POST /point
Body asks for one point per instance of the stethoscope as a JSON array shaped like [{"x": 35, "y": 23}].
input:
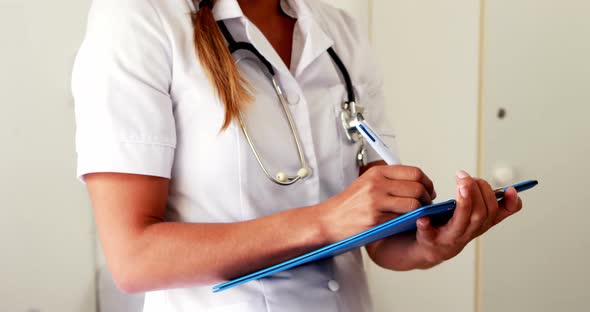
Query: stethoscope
[{"x": 349, "y": 116}]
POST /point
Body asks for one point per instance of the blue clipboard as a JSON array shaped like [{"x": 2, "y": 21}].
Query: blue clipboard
[{"x": 440, "y": 213}]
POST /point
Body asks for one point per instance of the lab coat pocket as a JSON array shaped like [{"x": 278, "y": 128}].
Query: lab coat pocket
[{"x": 347, "y": 150}]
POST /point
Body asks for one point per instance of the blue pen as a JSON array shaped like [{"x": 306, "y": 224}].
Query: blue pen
[{"x": 375, "y": 141}]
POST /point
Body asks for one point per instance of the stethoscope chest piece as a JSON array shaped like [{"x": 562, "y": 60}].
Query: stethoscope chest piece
[
  {"x": 349, "y": 114},
  {"x": 362, "y": 158}
]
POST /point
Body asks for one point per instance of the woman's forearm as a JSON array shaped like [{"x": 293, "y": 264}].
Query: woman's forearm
[
  {"x": 170, "y": 254},
  {"x": 146, "y": 253}
]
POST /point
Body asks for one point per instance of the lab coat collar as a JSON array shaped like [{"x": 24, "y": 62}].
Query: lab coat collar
[
  {"x": 227, "y": 9},
  {"x": 295, "y": 8},
  {"x": 314, "y": 41},
  {"x": 222, "y": 10}
]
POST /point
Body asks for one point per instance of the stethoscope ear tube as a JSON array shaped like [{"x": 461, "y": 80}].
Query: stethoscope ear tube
[
  {"x": 345, "y": 75},
  {"x": 235, "y": 46}
]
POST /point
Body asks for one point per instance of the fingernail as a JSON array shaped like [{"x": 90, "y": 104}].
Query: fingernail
[
  {"x": 462, "y": 174},
  {"x": 463, "y": 191}
]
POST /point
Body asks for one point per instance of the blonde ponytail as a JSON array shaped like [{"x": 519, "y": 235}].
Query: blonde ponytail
[{"x": 218, "y": 63}]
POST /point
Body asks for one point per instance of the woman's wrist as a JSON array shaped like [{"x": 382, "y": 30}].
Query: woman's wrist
[
  {"x": 320, "y": 223},
  {"x": 309, "y": 226},
  {"x": 422, "y": 258},
  {"x": 329, "y": 222},
  {"x": 400, "y": 253}
]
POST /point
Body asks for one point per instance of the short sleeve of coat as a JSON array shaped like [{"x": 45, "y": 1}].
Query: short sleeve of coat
[{"x": 120, "y": 83}]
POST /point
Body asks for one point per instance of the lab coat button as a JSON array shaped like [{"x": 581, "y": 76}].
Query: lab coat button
[
  {"x": 333, "y": 285},
  {"x": 293, "y": 98}
]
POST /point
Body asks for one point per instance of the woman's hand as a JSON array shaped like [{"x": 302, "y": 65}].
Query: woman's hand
[
  {"x": 477, "y": 211},
  {"x": 380, "y": 194}
]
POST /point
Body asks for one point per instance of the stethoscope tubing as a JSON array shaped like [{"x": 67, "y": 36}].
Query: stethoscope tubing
[
  {"x": 304, "y": 171},
  {"x": 290, "y": 179}
]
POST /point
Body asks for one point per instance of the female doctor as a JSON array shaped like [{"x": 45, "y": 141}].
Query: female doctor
[{"x": 199, "y": 172}]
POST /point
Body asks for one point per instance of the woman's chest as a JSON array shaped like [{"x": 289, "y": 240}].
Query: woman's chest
[{"x": 231, "y": 168}]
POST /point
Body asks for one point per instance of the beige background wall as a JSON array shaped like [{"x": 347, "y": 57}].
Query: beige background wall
[
  {"x": 46, "y": 234},
  {"x": 537, "y": 68}
]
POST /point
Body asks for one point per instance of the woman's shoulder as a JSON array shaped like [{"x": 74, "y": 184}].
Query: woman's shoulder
[
  {"x": 125, "y": 23},
  {"x": 124, "y": 13},
  {"x": 140, "y": 5},
  {"x": 328, "y": 10}
]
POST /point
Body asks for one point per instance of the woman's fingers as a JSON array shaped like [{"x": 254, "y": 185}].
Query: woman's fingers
[
  {"x": 457, "y": 226},
  {"x": 407, "y": 173},
  {"x": 489, "y": 196},
  {"x": 426, "y": 232},
  {"x": 398, "y": 205},
  {"x": 479, "y": 210},
  {"x": 510, "y": 205},
  {"x": 410, "y": 189}
]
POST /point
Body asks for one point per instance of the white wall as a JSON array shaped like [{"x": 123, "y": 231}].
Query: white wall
[
  {"x": 46, "y": 240},
  {"x": 538, "y": 70},
  {"x": 429, "y": 52}
]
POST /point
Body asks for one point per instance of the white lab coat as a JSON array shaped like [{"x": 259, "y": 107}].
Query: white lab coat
[{"x": 144, "y": 106}]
